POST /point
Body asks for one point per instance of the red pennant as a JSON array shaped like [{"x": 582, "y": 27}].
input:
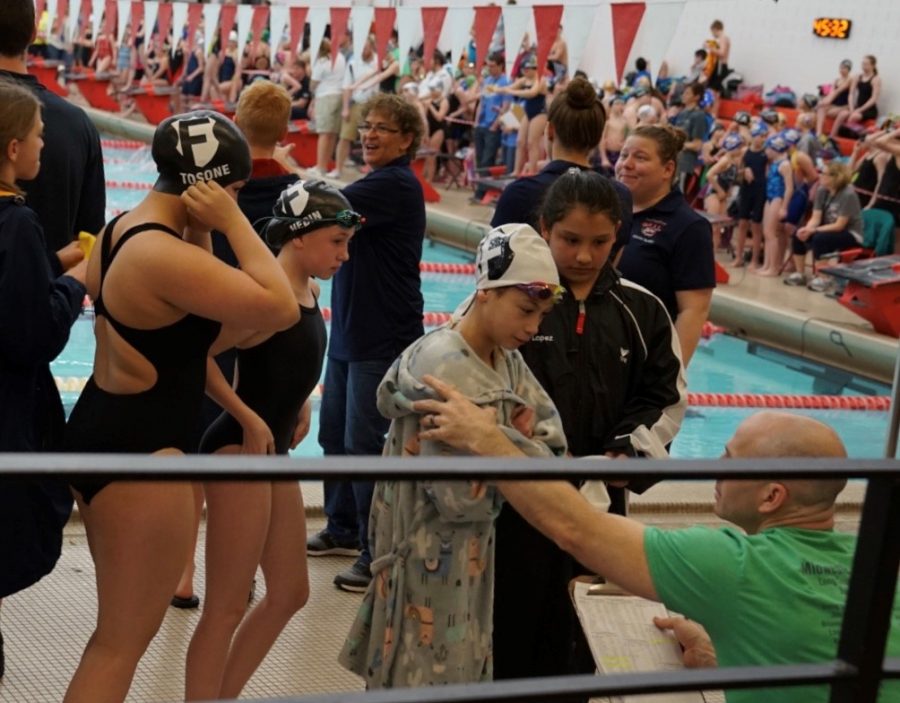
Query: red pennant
[
  {"x": 547, "y": 19},
  {"x": 62, "y": 11},
  {"x": 195, "y": 14},
  {"x": 384, "y": 25},
  {"x": 85, "y": 16},
  {"x": 485, "y": 22},
  {"x": 298, "y": 21},
  {"x": 164, "y": 21},
  {"x": 110, "y": 17},
  {"x": 258, "y": 23},
  {"x": 626, "y": 19},
  {"x": 137, "y": 19},
  {"x": 227, "y": 15},
  {"x": 339, "y": 17},
  {"x": 432, "y": 22},
  {"x": 38, "y": 11}
]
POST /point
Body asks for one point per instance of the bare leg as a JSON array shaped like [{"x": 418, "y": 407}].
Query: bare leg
[
  {"x": 713, "y": 206},
  {"x": 536, "y": 141},
  {"x": 236, "y": 526},
  {"x": 434, "y": 142},
  {"x": 287, "y": 588},
  {"x": 343, "y": 153},
  {"x": 756, "y": 231},
  {"x": 324, "y": 150},
  {"x": 740, "y": 243},
  {"x": 521, "y": 148},
  {"x": 771, "y": 231},
  {"x": 839, "y": 119},
  {"x": 185, "y": 587},
  {"x": 139, "y": 534}
]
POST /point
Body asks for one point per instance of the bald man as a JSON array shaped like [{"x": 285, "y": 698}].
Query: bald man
[{"x": 772, "y": 592}]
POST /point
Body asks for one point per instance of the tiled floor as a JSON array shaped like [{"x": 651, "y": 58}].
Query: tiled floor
[{"x": 47, "y": 625}]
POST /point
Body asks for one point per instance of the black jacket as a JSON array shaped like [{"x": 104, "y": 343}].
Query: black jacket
[{"x": 621, "y": 373}]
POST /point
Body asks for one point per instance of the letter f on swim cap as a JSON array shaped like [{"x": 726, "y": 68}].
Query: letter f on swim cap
[{"x": 199, "y": 146}]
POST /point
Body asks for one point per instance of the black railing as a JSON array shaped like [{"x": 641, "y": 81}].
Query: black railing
[{"x": 854, "y": 676}]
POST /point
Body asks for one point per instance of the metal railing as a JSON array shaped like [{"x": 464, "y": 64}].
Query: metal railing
[{"x": 855, "y": 675}]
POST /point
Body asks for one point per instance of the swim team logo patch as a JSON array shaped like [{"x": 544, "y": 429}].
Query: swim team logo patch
[
  {"x": 650, "y": 228},
  {"x": 196, "y": 140},
  {"x": 498, "y": 257}
]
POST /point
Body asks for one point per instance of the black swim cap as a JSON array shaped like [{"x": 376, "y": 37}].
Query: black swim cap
[
  {"x": 306, "y": 206},
  {"x": 199, "y": 146}
]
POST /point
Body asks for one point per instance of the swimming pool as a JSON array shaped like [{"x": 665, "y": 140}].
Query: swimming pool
[{"x": 722, "y": 364}]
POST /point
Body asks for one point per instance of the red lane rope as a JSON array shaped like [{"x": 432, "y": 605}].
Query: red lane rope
[
  {"x": 766, "y": 400},
  {"x": 129, "y": 185},
  {"x": 436, "y": 267},
  {"x": 122, "y": 144}
]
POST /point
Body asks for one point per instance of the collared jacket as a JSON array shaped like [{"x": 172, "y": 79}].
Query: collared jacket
[{"x": 612, "y": 365}]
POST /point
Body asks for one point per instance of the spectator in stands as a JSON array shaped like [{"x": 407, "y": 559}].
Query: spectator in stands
[
  {"x": 836, "y": 224},
  {"x": 641, "y": 71},
  {"x": 779, "y": 191},
  {"x": 752, "y": 197},
  {"x": 691, "y": 120},
  {"x": 575, "y": 124},
  {"x": 670, "y": 251},
  {"x": 376, "y": 304},
  {"x": 358, "y": 88},
  {"x": 296, "y": 80},
  {"x": 805, "y": 176},
  {"x": 647, "y": 115},
  {"x": 837, "y": 98},
  {"x": 637, "y": 99},
  {"x": 487, "y": 122},
  {"x": 698, "y": 68},
  {"x": 789, "y": 542},
  {"x": 862, "y": 105},
  {"x": 327, "y": 83},
  {"x": 614, "y": 133},
  {"x": 532, "y": 88},
  {"x": 719, "y": 47}
]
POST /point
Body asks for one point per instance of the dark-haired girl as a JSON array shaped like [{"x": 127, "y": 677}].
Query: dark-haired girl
[
  {"x": 670, "y": 251},
  {"x": 609, "y": 359}
]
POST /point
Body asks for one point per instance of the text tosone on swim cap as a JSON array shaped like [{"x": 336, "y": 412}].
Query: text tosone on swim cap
[{"x": 199, "y": 146}]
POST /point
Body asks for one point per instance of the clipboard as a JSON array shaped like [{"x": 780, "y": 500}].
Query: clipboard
[{"x": 622, "y": 637}]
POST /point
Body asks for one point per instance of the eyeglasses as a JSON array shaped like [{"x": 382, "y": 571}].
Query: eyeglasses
[
  {"x": 380, "y": 129},
  {"x": 542, "y": 291}
]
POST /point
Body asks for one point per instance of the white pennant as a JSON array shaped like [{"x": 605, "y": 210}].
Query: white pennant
[
  {"x": 654, "y": 36},
  {"x": 457, "y": 24},
  {"x": 210, "y": 24},
  {"x": 577, "y": 23},
  {"x": 409, "y": 30},
  {"x": 70, "y": 26},
  {"x": 244, "y": 20},
  {"x": 179, "y": 19},
  {"x": 124, "y": 16},
  {"x": 97, "y": 10},
  {"x": 151, "y": 10},
  {"x": 361, "y": 20},
  {"x": 51, "y": 16},
  {"x": 278, "y": 19},
  {"x": 516, "y": 20},
  {"x": 317, "y": 17}
]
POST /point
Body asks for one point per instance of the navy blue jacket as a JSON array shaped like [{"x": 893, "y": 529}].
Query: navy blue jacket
[
  {"x": 521, "y": 200},
  {"x": 376, "y": 296},
  {"x": 36, "y": 314},
  {"x": 69, "y": 193}
]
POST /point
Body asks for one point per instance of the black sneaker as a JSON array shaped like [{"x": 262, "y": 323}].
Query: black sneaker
[
  {"x": 325, "y": 544},
  {"x": 356, "y": 579}
]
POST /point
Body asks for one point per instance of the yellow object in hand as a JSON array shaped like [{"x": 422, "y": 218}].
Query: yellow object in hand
[{"x": 86, "y": 242}]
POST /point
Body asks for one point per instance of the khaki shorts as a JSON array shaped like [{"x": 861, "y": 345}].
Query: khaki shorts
[
  {"x": 328, "y": 114},
  {"x": 350, "y": 126}
]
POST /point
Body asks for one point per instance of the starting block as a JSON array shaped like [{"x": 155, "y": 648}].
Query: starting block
[
  {"x": 304, "y": 142},
  {"x": 95, "y": 89},
  {"x": 153, "y": 101},
  {"x": 872, "y": 291},
  {"x": 47, "y": 73}
]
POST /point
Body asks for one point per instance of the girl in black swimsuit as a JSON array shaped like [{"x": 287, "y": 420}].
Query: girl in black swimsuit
[
  {"x": 864, "y": 93},
  {"x": 161, "y": 297},
  {"x": 263, "y": 523}
]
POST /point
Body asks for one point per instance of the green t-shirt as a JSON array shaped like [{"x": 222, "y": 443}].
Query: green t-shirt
[{"x": 772, "y": 598}]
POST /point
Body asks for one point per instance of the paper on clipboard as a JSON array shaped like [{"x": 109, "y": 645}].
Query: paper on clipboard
[{"x": 623, "y": 638}]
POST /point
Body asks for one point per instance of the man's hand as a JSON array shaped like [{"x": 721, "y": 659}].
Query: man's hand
[
  {"x": 456, "y": 420},
  {"x": 697, "y": 647}
]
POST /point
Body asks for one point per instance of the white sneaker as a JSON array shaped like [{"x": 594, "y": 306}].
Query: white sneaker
[
  {"x": 334, "y": 173},
  {"x": 795, "y": 279},
  {"x": 315, "y": 172},
  {"x": 820, "y": 284}
]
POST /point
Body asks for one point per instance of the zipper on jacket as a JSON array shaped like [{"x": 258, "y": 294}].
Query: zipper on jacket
[{"x": 579, "y": 323}]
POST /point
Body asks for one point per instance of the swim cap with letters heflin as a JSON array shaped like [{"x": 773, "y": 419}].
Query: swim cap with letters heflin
[{"x": 199, "y": 146}]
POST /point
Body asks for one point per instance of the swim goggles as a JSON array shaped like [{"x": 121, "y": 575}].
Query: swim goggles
[
  {"x": 347, "y": 218},
  {"x": 542, "y": 291}
]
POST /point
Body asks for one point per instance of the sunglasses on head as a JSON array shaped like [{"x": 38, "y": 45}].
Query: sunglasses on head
[{"x": 542, "y": 291}]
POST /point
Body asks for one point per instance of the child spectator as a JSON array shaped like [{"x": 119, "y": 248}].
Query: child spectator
[
  {"x": 427, "y": 615},
  {"x": 837, "y": 97},
  {"x": 614, "y": 133},
  {"x": 721, "y": 178},
  {"x": 779, "y": 191}
]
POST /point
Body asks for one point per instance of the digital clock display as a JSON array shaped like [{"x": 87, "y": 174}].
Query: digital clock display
[{"x": 832, "y": 27}]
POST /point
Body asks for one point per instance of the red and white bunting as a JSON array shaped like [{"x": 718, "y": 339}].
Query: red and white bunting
[
  {"x": 432, "y": 22},
  {"x": 516, "y": 24},
  {"x": 361, "y": 20},
  {"x": 298, "y": 21},
  {"x": 123, "y": 15},
  {"x": 409, "y": 30},
  {"x": 485, "y": 24},
  {"x": 456, "y": 31},
  {"x": 278, "y": 19},
  {"x": 385, "y": 17},
  {"x": 151, "y": 9},
  {"x": 318, "y": 19},
  {"x": 244, "y": 20},
  {"x": 179, "y": 20},
  {"x": 547, "y": 19},
  {"x": 211, "y": 13},
  {"x": 339, "y": 18},
  {"x": 578, "y": 24},
  {"x": 626, "y": 19},
  {"x": 655, "y": 34}
]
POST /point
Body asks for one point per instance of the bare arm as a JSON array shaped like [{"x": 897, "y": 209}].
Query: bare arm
[
  {"x": 257, "y": 437},
  {"x": 693, "y": 309}
]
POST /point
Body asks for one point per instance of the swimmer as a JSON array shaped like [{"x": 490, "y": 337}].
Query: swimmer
[
  {"x": 752, "y": 197},
  {"x": 614, "y": 133},
  {"x": 721, "y": 178},
  {"x": 160, "y": 298},
  {"x": 779, "y": 191}
]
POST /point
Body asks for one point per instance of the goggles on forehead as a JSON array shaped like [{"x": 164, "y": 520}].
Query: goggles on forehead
[
  {"x": 347, "y": 218},
  {"x": 542, "y": 291}
]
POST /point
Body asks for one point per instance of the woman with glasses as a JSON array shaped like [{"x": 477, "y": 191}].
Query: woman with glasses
[
  {"x": 426, "y": 618},
  {"x": 268, "y": 412}
]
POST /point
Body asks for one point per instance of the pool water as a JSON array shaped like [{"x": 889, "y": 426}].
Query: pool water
[{"x": 722, "y": 364}]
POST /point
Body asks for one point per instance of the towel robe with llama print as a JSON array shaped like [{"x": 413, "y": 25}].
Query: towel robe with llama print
[{"x": 427, "y": 616}]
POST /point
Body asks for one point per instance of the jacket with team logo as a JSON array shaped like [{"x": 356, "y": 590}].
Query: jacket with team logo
[{"x": 613, "y": 368}]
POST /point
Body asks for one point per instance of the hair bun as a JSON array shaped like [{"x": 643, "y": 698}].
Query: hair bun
[{"x": 580, "y": 94}]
